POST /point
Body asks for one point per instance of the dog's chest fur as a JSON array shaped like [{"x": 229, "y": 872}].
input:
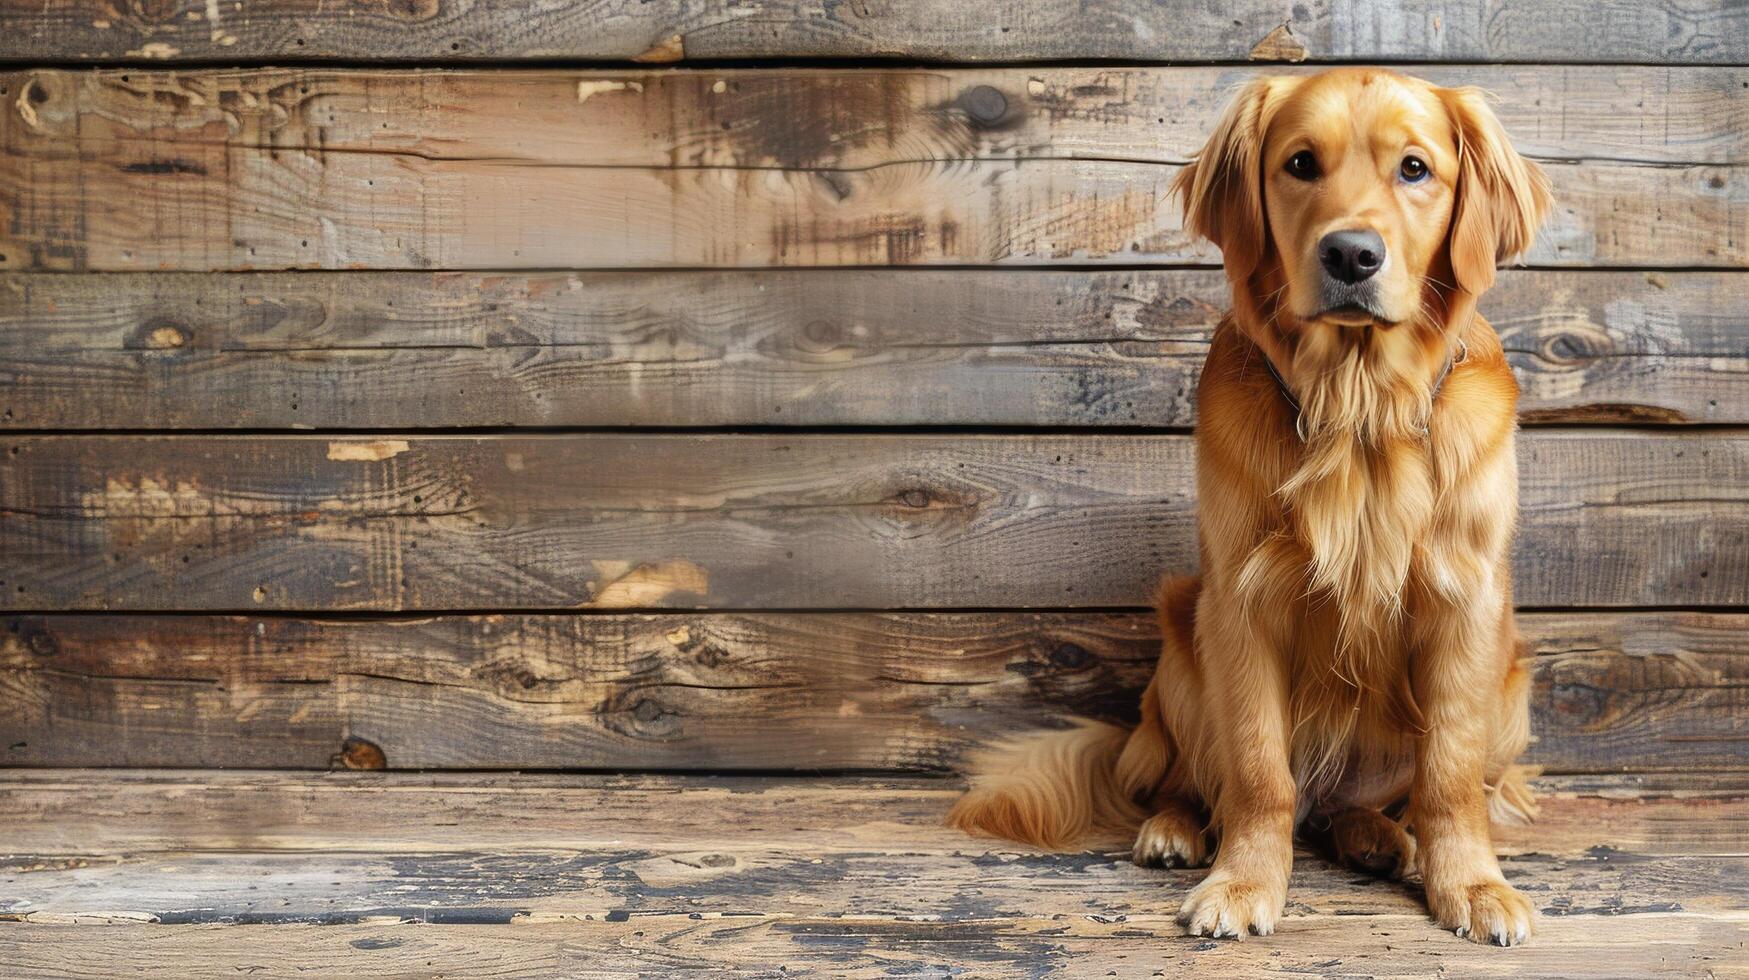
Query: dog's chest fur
[
  {"x": 1376, "y": 508},
  {"x": 1361, "y": 506}
]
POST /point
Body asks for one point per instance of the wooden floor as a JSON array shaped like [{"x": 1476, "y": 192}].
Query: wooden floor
[{"x": 223, "y": 874}]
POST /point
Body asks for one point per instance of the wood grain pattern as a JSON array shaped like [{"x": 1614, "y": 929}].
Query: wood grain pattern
[
  {"x": 145, "y": 813},
  {"x": 1642, "y": 690},
  {"x": 791, "y": 944},
  {"x": 832, "y": 875},
  {"x": 897, "y": 881},
  {"x": 684, "y": 692},
  {"x": 881, "y": 861},
  {"x": 761, "y": 521},
  {"x": 891, "y": 691},
  {"x": 793, "y": 348},
  {"x": 317, "y": 168},
  {"x": 1694, "y": 31}
]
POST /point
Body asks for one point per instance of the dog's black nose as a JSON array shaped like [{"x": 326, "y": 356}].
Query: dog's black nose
[{"x": 1352, "y": 256}]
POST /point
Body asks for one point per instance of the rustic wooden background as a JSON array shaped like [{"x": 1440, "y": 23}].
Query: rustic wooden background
[{"x": 437, "y": 383}]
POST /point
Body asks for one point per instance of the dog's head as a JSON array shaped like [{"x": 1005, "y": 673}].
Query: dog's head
[{"x": 1359, "y": 198}]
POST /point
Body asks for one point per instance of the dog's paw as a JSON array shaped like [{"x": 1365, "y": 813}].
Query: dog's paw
[
  {"x": 1170, "y": 839},
  {"x": 1225, "y": 907},
  {"x": 1488, "y": 912},
  {"x": 1369, "y": 841}
]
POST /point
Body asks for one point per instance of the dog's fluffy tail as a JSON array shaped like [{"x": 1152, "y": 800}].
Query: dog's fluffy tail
[
  {"x": 1049, "y": 789},
  {"x": 1053, "y": 789},
  {"x": 1511, "y": 800}
]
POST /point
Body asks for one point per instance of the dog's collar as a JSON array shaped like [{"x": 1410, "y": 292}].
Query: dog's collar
[{"x": 1463, "y": 353}]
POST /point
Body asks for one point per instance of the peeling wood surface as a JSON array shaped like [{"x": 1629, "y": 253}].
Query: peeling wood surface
[
  {"x": 978, "y": 881},
  {"x": 199, "y": 170},
  {"x": 620, "y": 521},
  {"x": 846, "y": 876},
  {"x": 975, "y": 880},
  {"x": 803, "y": 944},
  {"x": 340, "y": 350},
  {"x": 891, "y": 691},
  {"x": 1694, "y": 31}
]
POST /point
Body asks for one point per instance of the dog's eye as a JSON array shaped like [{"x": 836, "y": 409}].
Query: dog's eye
[
  {"x": 1413, "y": 170},
  {"x": 1303, "y": 165}
]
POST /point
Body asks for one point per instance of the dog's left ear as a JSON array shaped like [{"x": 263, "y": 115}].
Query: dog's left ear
[
  {"x": 1222, "y": 188},
  {"x": 1502, "y": 198}
]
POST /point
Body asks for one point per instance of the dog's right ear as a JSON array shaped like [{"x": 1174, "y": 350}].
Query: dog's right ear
[
  {"x": 1502, "y": 198},
  {"x": 1222, "y": 189}
]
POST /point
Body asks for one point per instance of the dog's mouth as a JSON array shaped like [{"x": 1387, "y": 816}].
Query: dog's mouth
[
  {"x": 1352, "y": 305},
  {"x": 1351, "y": 315}
]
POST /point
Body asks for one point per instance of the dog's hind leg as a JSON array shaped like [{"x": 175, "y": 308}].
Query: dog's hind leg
[
  {"x": 1366, "y": 840},
  {"x": 1149, "y": 769},
  {"x": 1173, "y": 837}
]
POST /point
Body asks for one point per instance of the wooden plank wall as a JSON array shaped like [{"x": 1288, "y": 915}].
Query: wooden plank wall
[
  {"x": 437, "y": 384},
  {"x": 427, "y": 31}
]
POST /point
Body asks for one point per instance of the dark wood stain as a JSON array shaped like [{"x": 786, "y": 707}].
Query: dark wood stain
[
  {"x": 752, "y": 168},
  {"x": 164, "y": 167}
]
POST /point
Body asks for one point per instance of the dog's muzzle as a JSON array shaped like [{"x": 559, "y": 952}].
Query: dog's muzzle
[{"x": 1349, "y": 300}]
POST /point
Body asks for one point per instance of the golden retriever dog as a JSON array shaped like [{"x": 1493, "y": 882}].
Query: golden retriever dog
[{"x": 1347, "y": 663}]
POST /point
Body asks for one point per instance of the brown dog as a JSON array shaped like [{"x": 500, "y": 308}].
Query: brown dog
[{"x": 1350, "y": 645}]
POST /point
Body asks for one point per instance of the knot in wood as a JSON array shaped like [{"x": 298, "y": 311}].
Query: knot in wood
[
  {"x": 635, "y": 714},
  {"x": 413, "y": 10},
  {"x": 40, "y": 641},
  {"x": 1071, "y": 656},
  {"x": 821, "y": 335},
  {"x": 358, "y": 753},
  {"x": 710, "y": 656},
  {"x": 1575, "y": 344},
  {"x": 160, "y": 333},
  {"x": 984, "y": 105}
]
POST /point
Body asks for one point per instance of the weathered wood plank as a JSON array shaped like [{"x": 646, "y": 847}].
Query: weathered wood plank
[
  {"x": 825, "y": 865},
  {"x": 755, "y": 691},
  {"x": 744, "y": 876},
  {"x": 1073, "y": 944},
  {"x": 1695, "y": 31},
  {"x": 147, "y": 813},
  {"x": 970, "y": 883},
  {"x": 1642, "y": 690},
  {"x": 842, "y": 347},
  {"x": 315, "y": 168},
  {"x": 760, "y": 521},
  {"x": 681, "y": 692}
]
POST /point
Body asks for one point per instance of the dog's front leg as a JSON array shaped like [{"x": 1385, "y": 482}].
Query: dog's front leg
[
  {"x": 1247, "y": 728},
  {"x": 1457, "y": 681}
]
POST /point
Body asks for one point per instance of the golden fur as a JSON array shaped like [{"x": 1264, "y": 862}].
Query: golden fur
[{"x": 1348, "y": 653}]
